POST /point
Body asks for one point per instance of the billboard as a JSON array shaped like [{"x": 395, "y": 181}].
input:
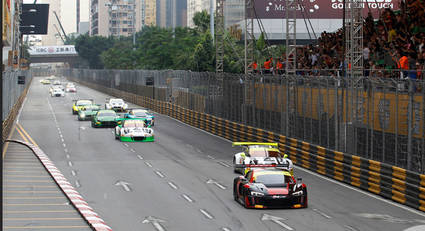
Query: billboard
[
  {"x": 6, "y": 21},
  {"x": 53, "y": 50},
  {"x": 319, "y": 9}
]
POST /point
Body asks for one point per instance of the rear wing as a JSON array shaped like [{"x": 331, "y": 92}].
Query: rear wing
[{"x": 253, "y": 143}]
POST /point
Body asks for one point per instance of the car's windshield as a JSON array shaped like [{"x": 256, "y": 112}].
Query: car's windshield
[
  {"x": 91, "y": 108},
  {"x": 134, "y": 123},
  {"x": 117, "y": 101},
  {"x": 83, "y": 102},
  {"x": 273, "y": 179},
  {"x": 140, "y": 113},
  {"x": 106, "y": 113},
  {"x": 258, "y": 152}
]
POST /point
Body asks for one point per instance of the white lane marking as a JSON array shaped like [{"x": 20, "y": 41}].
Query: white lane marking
[
  {"x": 64, "y": 145},
  {"x": 77, "y": 184},
  {"x": 224, "y": 164},
  {"x": 172, "y": 185},
  {"x": 148, "y": 164},
  {"x": 416, "y": 228},
  {"x": 124, "y": 184},
  {"x": 211, "y": 157},
  {"x": 211, "y": 181},
  {"x": 112, "y": 132},
  {"x": 350, "y": 228},
  {"x": 62, "y": 140},
  {"x": 206, "y": 214},
  {"x": 159, "y": 174},
  {"x": 322, "y": 213},
  {"x": 125, "y": 144},
  {"x": 140, "y": 157},
  {"x": 20, "y": 110},
  {"x": 66, "y": 150},
  {"x": 186, "y": 197},
  {"x": 73, "y": 173},
  {"x": 277, "y": 220},
  {"x": 363, "y": 192},
  {"x": 61, "y": 135},
  {"x": 132, "y": 150},
  {"x": 155, "y": 222},
  {"x": 70, "y": 163},
  {"x": 225, "y": 229},
  {"x": 68, "y": 156}
]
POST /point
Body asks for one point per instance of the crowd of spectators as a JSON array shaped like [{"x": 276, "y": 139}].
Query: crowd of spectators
[{"x": 394, "y": 45}]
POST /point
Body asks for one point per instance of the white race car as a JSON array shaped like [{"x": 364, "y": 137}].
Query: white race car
[
  {"x": 115, "y": 104},
  {"x": 257, "y": 154},
  {"x": 56, "y": 91},
  {"x": 133, "y": 130},
  {"x": 70, "y": 88}
]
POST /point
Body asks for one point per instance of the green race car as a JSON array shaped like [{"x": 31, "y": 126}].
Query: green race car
[
  {"x": 87, "y": 112},
  {"x": 134, "y": 130},
  {"x": 104, "y": 118}
]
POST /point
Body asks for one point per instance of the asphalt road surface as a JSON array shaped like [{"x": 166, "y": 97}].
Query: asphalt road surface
[{"x": 183, "y": 180}]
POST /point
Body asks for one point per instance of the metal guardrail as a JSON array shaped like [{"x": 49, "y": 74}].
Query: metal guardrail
[
  {"x": 381, "y": 119},
  {"x": 391, "y": 182}
]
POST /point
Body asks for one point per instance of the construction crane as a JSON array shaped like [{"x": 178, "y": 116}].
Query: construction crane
[{"x": 60, "y": 24}]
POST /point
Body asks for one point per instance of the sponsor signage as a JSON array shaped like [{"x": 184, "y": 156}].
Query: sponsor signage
[
  {"x": 320, "y": 9},
  {"x": 53, "y": 50},
  {"x": 6, "y": 21}
]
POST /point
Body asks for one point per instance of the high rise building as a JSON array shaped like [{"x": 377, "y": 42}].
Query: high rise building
[
  {"x": 83, "y": 9},
  {"x": 171, "y": 13},
  {"x": 118, "y": 17},
  {"x": 53, "y": 28},
  {"x": 149, "y": 13},
  {"x": 194, "y": 6}
]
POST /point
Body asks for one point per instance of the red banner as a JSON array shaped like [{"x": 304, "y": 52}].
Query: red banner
[{"x": 320, "y": 9}]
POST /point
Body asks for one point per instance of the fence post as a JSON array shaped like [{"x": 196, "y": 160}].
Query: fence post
[{"x": 409, "y": 125}]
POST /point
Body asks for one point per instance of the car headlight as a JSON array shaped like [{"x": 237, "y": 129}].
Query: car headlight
[
  {"x": 98, "y": 122},
  {"x": 82, "y": 115},
  {"x": 299, "y": 193},
  {"x": 125, "y": 106},
  {"x": 258, "y": 194}
]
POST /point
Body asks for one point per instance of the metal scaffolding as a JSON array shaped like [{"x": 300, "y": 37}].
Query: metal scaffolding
[
  {"x": 354, "y": 37},
  {"x": 291, "y": 37},
  {"x": 219, "y": 36},
  {"x": 249, "y": 36}
]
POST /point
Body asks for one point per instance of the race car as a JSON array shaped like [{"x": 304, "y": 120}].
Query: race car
[
  {"x": 141, "y": 114},
  {"x": 56, "y": 91},
  {"x": 70, "y": 88},
  {"x": 104, "y": 118},
  {"x": 115, "y": 104},
  {"x": 87, "y": 112},
  {"x": 269, "y": 188},
  {"x": 259, "y": 154},
  {"x": 57, "y": 82},
  {"x": 78, "y": 104},
  {"x": 45, "y": 81},
  {"x": 134, "y": 130}
]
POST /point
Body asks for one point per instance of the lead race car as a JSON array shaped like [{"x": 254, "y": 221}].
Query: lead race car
[
  {"x": 133, "y": 130},
  {"x": 266, "y": 154},
  {"x": 269, "y": 188}
]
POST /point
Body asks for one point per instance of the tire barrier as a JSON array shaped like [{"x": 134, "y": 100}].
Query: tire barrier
[
  {"x": 92, "y": 218},
  {"x": 391, "y": 182}
]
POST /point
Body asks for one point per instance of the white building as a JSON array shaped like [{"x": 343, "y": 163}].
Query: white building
[
  {"x": 194, "y": 6},
  {"x": 52, "y": 38}
]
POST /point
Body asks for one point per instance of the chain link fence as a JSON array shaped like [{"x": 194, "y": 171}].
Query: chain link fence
[
  {"x": 377, "y": 118},
  {"x": 12, "y": 90}
]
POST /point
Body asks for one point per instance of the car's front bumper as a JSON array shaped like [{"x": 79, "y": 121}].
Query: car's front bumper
[
  {"x": 105, "y": 124},
  {"x": 276, "y": 201},
  {"x": 137, "y": 139}
]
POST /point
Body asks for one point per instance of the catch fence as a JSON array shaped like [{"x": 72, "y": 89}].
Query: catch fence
[{"x": 380, "y": 119}]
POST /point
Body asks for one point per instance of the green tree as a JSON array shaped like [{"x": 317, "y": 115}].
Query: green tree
[
  {"x": 204, "y": 54},
  {"x": 90, "y": 48},
  {"x": 120, "y": 56},
  {"x": 202, "y": 21}
]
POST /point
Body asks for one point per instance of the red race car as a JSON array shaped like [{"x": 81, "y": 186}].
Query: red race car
[{"x": 269, "y": 188}]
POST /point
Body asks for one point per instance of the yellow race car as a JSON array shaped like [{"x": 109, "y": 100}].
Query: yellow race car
[
  {"x": 256, "y": 154},
  {"x": 78, "y": 104},
  {"x": 45, "y": 81}
]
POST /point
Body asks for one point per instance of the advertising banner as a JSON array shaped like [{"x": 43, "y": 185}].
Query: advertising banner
[
  {"x": 319, "y": 9},
  {"x": 53, "y": 50},
  {"x": 6, "y": 21}
]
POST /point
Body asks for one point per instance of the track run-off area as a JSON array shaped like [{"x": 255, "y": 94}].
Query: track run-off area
[{"x": 184, "y": 180}]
